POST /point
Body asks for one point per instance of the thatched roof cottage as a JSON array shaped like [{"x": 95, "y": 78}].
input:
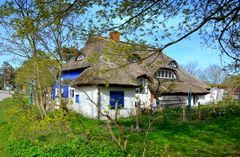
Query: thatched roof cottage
[{"x": 107, "y": 72}]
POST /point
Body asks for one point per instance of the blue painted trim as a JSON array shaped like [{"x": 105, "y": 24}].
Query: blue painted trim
[
  {"x": 71, "y": 75},
  {"x": 66, "y": 75},
  {"x": 77, "y": 100},
  {"x": 65, "y": 91}
]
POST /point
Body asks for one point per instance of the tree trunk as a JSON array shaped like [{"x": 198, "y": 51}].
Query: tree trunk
[
  {"x": 40, "y": 95},
  {"x": 184, "y": 112},
  {"x": 60, "y": 89},
  {"x": 116, "y": 112},
  {"x": 199, "y": 111},
  {"x": 99, "y": 103},
  {"x": 137, "y": 114}
]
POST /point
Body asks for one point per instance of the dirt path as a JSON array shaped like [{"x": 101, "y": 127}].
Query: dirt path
[{"x": 4, "y": 95}]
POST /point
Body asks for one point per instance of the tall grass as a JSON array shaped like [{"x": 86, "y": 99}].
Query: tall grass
[{"x": 23, "y": 133}]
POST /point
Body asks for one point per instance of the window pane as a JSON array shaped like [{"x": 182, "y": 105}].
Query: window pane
[
  {"x": 174, "y": 76},
  {"x": 166, "y": 74},
  {"x": 162, "y": 74},
  {"x": 72, "y": 93}
]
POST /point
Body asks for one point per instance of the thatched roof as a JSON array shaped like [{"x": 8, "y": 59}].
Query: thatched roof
[
  {"x": 179, "y": 88},
  {"x": 107, "y": 63},
  {"x": 93, "y": 45},
  {"x": 91, "y": 76}
]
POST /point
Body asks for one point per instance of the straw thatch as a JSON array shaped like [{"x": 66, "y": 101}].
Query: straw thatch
[{"x": 106, "y": 62}]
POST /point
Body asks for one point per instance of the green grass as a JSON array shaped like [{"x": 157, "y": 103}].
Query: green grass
[
  {"x": 5, "y": 128},
  {"x": 22, "y": 133}
]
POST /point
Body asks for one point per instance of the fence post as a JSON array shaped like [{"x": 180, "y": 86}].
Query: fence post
[{"x": 30, "y": 95}]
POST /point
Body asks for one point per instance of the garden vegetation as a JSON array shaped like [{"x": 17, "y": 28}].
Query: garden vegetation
[{"x": 206, "y": 133}]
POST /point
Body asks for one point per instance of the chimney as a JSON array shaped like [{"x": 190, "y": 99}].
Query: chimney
[{"x": 115, "y": 36}]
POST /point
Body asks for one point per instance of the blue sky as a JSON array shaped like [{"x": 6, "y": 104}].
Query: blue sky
[
  {"x": 183, "y": 52},
  {"x": 192, "y": 50}
]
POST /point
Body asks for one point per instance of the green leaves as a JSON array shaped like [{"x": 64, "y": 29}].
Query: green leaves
[
  {"x": 28, "y": 71},
  {"x": 7, "y": 75}
]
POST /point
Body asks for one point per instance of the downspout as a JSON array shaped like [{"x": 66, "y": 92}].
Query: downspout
[{"x": 98, "y": 103}]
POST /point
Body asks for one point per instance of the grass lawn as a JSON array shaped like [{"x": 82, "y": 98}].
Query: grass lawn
[{"x": 22, "y": 133}]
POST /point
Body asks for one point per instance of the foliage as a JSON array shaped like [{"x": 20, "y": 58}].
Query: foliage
[
  {"x": 1, "y": 84},
  {"x": 22, "y": 133},
  {"x": 28, "y": 135},
  {"x": 233, "y": 80},
  {"x": 45, "y": 67},
  {"x": 164, "y": 22},
  {"x": 42, "y": 71},
  {"x": 48, "y": 26},
  {"x": 7, "y": 75},
  {"x": 168, "y": 22}
]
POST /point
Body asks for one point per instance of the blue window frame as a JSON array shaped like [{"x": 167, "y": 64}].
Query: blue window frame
[
  {"x": 77, "y": 100},
  {"x": 116, "y": 97},
  {"x": 65, "y": 89}
]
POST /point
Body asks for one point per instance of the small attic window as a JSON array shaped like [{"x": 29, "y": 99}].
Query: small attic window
[
  {"x": 166, "y": 74},
  {"x": 134, "y": 58},
  {"x": 173, "y": 64},
  {"x": 81, "y": 56}
]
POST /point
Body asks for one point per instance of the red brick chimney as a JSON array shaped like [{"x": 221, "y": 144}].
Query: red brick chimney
[{"x": 115, "y": 36}]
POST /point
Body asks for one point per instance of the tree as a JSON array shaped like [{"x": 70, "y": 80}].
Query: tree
[
  {"x": 32, "y": 27},
  {"x": 43, "y": 71},
  {"x": 7, "y": 75},
  {"x": 167, "y": 22},
  {"x": 213, "y": 74},
  {"x": 192, "y": 68},
  {"x": 232, "y": 81}
]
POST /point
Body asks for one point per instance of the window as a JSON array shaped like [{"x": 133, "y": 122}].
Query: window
[
  {"x": 77, "y": 100},
  {"x": 56, "y": 92},
  {"x": 166, "y": 74},
  {"x": 80, "y": 57},
  {"x": 134, "y": 58},
  {"x": 116, "y": 97},
  {"x": 144, "y": 88},
  {"x": 173, "y": 64},
  {"x": 65, "y": 91},
  {"x": 71, "y": 93}
]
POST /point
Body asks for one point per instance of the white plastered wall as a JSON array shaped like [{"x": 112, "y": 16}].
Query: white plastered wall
[
  {"x": 144, "y": 98},
  {"x": 215, "y": 95},
  {"x": 89, "y": 109},
  {"x": 129, "y": 101},
  {"x": 85, "y": 106}
]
